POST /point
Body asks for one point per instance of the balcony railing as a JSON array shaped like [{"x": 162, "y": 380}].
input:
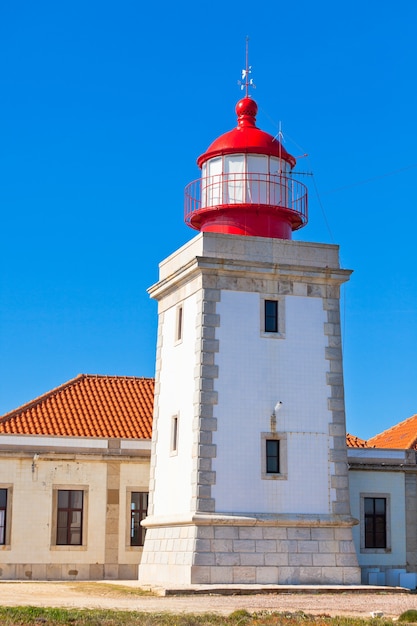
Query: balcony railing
[{"x": 251, "y": 189}]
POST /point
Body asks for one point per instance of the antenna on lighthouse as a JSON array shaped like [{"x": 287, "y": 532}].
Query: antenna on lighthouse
[{"x": 246, "y": 82}]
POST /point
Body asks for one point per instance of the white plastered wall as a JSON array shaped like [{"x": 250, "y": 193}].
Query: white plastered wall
[
  {"x": 254, "y": 373},
  {"x": 391, "y": 484},
  {"x": 176, "y": 398}
]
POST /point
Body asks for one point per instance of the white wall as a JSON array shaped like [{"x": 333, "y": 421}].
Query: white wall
[
  {"x": 254, "y": 373},
  {"x": 377, "y": 482},
  {"x": 177, "y": 395}
]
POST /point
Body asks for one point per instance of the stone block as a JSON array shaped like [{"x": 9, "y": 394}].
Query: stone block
[
  {"x": 244, "y": 545},
  {"x": 300, "y": 560},
  {"x": 202, "y": 545},
  {"x": 324, "y": 560},
  {"x": 310, "y": 575},
  {"x": 351, "y": 576},
  {"x": 226, "y": 559},
  {"x": 221, "y": 545},
  {"x": 288, "y": 575},
  {"x": 299, "y": 533},
  {"x": 346, "y": 560},
  {"x": 205, "y": 532},
  {"x": 226, "y": 532},
  {"x": 278, "y": 559},
  {"x": 203, "y": 558},
  {"x": 254, "y": 559},
  {"x": 274, "y": 532},
  {"x": 200, "y": 575},
  {"x": 244, "y": 575},
  {"x": 328, "y": 547},
  {"x": 307, "y": 546},
  {"x": 250, "y": 532},
  {"x": 221, "y": 575},
  {"x": 267, "y": 575},
  {"x": 266, "y": 545},
  {"x": 323, "y": 534}
]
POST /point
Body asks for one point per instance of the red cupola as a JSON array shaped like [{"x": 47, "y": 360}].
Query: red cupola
[{"x": 246, "y": 187}]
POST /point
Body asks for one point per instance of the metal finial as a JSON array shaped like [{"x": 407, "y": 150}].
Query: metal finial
[{"x": 246, "y": 81}]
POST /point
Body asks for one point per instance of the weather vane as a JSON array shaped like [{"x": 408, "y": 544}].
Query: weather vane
[{"x": 246, "y": 81}]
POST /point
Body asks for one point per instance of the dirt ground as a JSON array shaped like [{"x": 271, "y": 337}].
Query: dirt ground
[{"x": 122, "y": 595}]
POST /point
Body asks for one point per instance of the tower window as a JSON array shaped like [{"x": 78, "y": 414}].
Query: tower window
[
  {"x": 174, "y": 434},
  {"x": 179, "y": 323},
  {"x": 271, "y": 316},
  {"x": 272, "y": 456}
]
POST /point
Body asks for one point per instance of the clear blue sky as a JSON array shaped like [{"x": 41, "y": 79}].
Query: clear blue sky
[{"x": 105, "y": 107}]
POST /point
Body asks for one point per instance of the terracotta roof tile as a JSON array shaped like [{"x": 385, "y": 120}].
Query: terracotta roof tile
[
  {"x": 88, "y": 406},
  {"x": 355, "y": 442},
  {"x": 402, "y": 436}
]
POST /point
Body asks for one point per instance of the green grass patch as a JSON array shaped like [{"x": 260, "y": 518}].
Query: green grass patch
[{"x": 39, "y": 616}]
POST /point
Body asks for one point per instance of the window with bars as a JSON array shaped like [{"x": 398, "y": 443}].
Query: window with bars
[
  {"x": 70, "y": 504},
  {"x": 138, "y": 510}
]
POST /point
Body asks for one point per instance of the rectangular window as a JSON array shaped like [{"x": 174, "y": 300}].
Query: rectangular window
[
  {"x": 69, "y": 517},
  {"x": 375, "y": 510},
  {"x": 3, "y": 515},
  {"x": 174, "y": 433},
  {"x": 272, "y": 456},
  {"x": 271, "y": 316},
  {"x": 179, "y": 323},
  {"x": 138, "y": 509}
]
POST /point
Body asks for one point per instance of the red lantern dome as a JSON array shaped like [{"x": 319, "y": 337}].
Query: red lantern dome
[{"x": 246, "y": 186}]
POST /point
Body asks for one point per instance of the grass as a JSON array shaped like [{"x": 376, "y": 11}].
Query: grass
[{"x": 37, "y": 616}]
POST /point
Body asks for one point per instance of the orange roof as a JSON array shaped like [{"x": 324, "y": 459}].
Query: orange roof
[
  {"x": 88, "y": 406},
  {"x": 355, "y": 442},
  {"x": 402, "y": 436}
]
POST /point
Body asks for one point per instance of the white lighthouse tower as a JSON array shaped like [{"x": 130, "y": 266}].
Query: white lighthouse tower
[{"x": 249, "y": 479}]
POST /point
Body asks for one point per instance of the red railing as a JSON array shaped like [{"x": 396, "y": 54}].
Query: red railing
[{"x": 262, "y": 190}]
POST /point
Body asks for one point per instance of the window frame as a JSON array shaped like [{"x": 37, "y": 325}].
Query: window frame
[
  {"x": 175, "y": 420},
  {"x": 279, "y": 333},
  {"x": 130, "y": 517},
  {"x": 370, "y": 550},
  {"x": 179, "y": 323},
  {"x": 280, "y": 437},
  {"x": 84, "y": 518},
  {"x": 8, "y": 488}
]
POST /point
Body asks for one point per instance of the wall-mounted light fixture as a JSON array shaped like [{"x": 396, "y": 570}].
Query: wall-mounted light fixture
[{"x": 274, "y": 416}]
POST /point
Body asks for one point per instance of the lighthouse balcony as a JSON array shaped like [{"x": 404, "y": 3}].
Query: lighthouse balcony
[{"x": 215, "y": 197}]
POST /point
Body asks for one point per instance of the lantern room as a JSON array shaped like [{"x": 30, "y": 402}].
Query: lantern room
[{"x": 246, "y": 185}]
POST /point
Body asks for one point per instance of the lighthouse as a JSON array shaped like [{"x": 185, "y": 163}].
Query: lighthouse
[{"x": 249, "y": 477}]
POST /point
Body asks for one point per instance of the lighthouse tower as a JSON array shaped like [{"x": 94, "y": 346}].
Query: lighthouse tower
[{"x": 249, "y": 476}]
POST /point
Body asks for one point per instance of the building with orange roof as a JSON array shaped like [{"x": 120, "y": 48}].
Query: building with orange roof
[{"x": 74, "y": 467}]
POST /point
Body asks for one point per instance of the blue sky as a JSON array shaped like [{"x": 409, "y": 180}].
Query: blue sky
[{"x": 104, "y": 109}]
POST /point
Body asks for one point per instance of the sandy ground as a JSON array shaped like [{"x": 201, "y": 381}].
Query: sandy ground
[{"x": 123, "y": 596}]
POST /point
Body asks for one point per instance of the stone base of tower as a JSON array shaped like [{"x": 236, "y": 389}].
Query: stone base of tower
[{"x": 282, "y": 550}]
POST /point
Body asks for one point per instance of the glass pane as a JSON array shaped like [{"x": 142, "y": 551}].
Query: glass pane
[
  {"x": 75, "y": 519},
  {"x": 369, "y": 505},
  {"x": 380, "y": 506},
  {"x": 213, "y": 186},
  {"x": 135, "y": 500},
  {"x": 62, "y": 519},
  {"x": 61, "y": 537},
  {"x": 63, "y": 499},
  {"x": 3, "y": 498},
  {"x": 75, "y": 537},
  {"x": 2, "y": 526},
  {"x": 234, "y": 188},
  {"x": 76, "y": 499}
]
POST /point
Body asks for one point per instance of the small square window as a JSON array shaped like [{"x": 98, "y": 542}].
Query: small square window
[{"x": 272, "y": 316}]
